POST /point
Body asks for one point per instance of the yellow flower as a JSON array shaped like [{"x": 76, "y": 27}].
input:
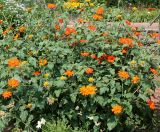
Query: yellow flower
[
  {"x": 29, "y": 106},
  {"x": 46, "y": 84},
  {"x": 142, "y": 63},
  {"x": 91, "y": 4},
  {"x": 24, "y": 62},
  {"x": 63, "y": 78},
  {"x": 43, "y": 62},
  {"x": 158, "y": 67},
  {"x": 133, "y": 62},
  {"x": 29, "y": 10},
  {"x": 91, "y": 79},
  {"x": 30, "y": 36},
  {"x": 22, "y": 29},
  {"x": 46, "y": 75},
  {"x": 134, "y": 9},
  {"x": 119, "y": 17},
  {"x": 88, "y": 0}
]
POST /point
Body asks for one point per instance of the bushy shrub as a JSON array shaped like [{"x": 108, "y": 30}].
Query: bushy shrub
[{"x": 89, "y": 74}]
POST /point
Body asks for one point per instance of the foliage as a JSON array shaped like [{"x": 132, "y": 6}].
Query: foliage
[
  {"x": 85, "y": 73},
  {"x": 58, "y": 126}
]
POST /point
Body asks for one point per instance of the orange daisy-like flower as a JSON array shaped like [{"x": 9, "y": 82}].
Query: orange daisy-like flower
[
  {"x": 85, "y": 54},
  {"x": 88, "y": 90},
  {"x": 60, "y": 20},
  {"x": 128, "y": 22},
  {"x": 151, "y": 104},
  {"x": 42, "y": 62},
  {"x": 1, "y": 21},
  {"x": 153, "y": 71},
  {"x": 140, "y": 44},
  {"x": 7, "y": 94},
  {"x": 137, "y": 34},
  {"x": 22, "y": 29},
  {"x": 124, "y": 50},
  {"x": 57, "y": 27},
  {"x": 100, "y": 11},
  {"x": 36, "y": 73},
  {"x": 89, "y": 71},
  {"x": 13, "y": 62},
  {"x": 92, "y": 27},
  {"x": 97, "y": 17},
  {"x": 83, "y": 41},
  {"x": 80, "y": 20},
  {"x": 117, "y": 109},
  {"x": 135, "y": 79},
  {"x": 111, "y": 58},
  {"x": 69, "y": 31},
  {"x": 51, "y": 6},
  {"x": 69, "y": 73},
  {"x": 123, "y": 74},
  {"x": 126, "y": 41},
  {"x": 158, "y": 42},
  {"x": 13, "y": 83}
]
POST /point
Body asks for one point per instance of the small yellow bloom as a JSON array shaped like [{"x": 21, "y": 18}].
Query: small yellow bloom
[
  {"x": 63, "y": 78},
  {"x": 134, "y": 9},
  {"x": 24, "y": 62},
  {"x": 142, "y": 63},
  {"x": 46, "y": 84},
  {"x": 119, "y": 17},
  {"x": 158, "y": 67},
  {"x": 133, "y": 62},
  {"x": 46, "y": 75},
  {"x": 22, "y": 29},
  {"x": 88, "y": 0},
  {"x": 29, "y": 106},
  {"x": 91, "y": 4},
  {"x": 91, "y": 79},
  {"x": 30, "y": 36},
  {"x": 29, "y": 10}
]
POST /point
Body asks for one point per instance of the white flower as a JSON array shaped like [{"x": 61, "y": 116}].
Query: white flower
[
  {"x": 90, "y": 117},
  {"x": 43, "y": 121},
  {"x": 39, "y": 125}
]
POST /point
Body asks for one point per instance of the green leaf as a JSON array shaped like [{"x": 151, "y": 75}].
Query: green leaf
[
  {"x": 23, "y": 115},
  {"x": 112, "y": 123},
  {"x": 57, "y": 93}
]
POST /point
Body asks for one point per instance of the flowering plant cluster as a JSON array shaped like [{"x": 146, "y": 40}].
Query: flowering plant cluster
[{"x": 88, "y": 74}]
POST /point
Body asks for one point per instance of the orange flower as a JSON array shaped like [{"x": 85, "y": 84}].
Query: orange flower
[
  {"x": 80, "y": 20},
  {"x": 153, "y": 71},
  {"x": 7, "y": 94},
  {"x": 88, "y": 90},
  {"x": 126, "y": 41},
  {"x": 85, "y": 54},
  {"x": 83, "y": 41},
  {"x": 22, "y": 29},
  {"x": 93, "y": 56},
  {"x": 51, "y": 6},
  {"x": 128, "y": 22},
  {"x": 92, "y": 27},
  {"x": 105, "y": 34},
  {"x": 97, "y": 17},
  {"x": 60, "y": 20},
  {"x": 14, "y": 62},
  {"x": 42, "y": 62},
  {"x": 151, "y": 9},
  {"x": 158, "y": 42},
  {"x": 151, "y": 104},
  {"x": 57, "y": 27},
  {"x": 124, "y": 50},
  {"x": 100, "y": 11},
  {"x": 117, "y": 109},
  {"x": 123, "y": 74},
  {"x": 69, "y": 73},
  {"x": 155, "y": 35},
  {"x": 111, "y": 58},
  {"x": 89, "y": 71},
  {"x": 36, "y": 73},
  {"x": 135, "y": 79},
  {"x": 13, "y": 83},
  {"x": 69, "y": 31},
  {"x": 137, "y": 34},
  {"x": 140, "y": 44},
  {"x": 1, "y": 21}
]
